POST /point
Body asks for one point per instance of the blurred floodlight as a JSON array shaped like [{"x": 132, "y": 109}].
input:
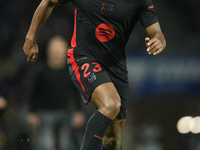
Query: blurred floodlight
[
  {"x": 195, "y": 125},
  {"x": 184, "y": 124}
]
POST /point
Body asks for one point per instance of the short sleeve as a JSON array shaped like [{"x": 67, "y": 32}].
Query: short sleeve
[
  {"x": 147, "y": 13},
  {"x": 63, "y": 1}
]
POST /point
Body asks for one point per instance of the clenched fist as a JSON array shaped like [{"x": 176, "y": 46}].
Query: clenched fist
[{"x": 31, "y": 50}]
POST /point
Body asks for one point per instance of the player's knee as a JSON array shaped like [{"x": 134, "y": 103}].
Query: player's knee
[{"x": 113, "y": 106}]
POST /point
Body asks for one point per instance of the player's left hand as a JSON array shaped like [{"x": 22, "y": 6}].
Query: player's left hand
[{"x": 154, "y": 46}]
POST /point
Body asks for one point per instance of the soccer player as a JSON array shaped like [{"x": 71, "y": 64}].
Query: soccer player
[{"x": 97, "y": 58}]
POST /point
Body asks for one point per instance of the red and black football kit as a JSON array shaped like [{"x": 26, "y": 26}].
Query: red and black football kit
[{"x": 101, "y": 31}]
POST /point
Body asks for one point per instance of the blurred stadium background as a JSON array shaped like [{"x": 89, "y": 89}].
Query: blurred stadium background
[{"x": 163, "y": 88}]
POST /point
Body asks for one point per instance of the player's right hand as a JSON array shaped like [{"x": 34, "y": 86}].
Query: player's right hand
[{"x": 31, "y": 50}]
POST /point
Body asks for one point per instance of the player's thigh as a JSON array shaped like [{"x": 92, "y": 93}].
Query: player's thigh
[{"x": 106, "y": 95}]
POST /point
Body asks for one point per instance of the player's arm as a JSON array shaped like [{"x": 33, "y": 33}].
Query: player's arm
[
  {"x": 40, "y": 16},
  {"x": 156, "y": 42}
]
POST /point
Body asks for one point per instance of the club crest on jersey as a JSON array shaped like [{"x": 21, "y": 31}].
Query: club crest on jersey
[
  {"x": 106, "y": 9},
  {"x": 91, "y": 78}
]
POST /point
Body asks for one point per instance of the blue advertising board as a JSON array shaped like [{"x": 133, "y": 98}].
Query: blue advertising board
[{"x": 166, "y": 75}]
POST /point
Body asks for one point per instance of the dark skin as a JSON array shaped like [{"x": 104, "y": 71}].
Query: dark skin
[
  {"x": 40, "y": 16},
  {"x": 156, "y": 42},
  {"x": 105, "y": 96}
]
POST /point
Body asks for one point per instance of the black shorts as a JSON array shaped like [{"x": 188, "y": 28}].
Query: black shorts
[{"x": 87, "y": 74}]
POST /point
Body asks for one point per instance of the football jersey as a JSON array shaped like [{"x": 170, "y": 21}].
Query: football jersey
[{"x": 102, "y": 29}]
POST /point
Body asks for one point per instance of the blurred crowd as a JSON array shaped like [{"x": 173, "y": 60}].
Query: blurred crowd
[
  {"x": 45, "y": 114},
  {"x": 190, "y": 11},
  {"x": 19, "y": 127}
]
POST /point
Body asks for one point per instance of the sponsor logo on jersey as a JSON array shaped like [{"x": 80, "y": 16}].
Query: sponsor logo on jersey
[
  {"x": 104, "y": 32},
  {"x": 91, "y": 78},
  {"x": 106, "y": 9}
]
